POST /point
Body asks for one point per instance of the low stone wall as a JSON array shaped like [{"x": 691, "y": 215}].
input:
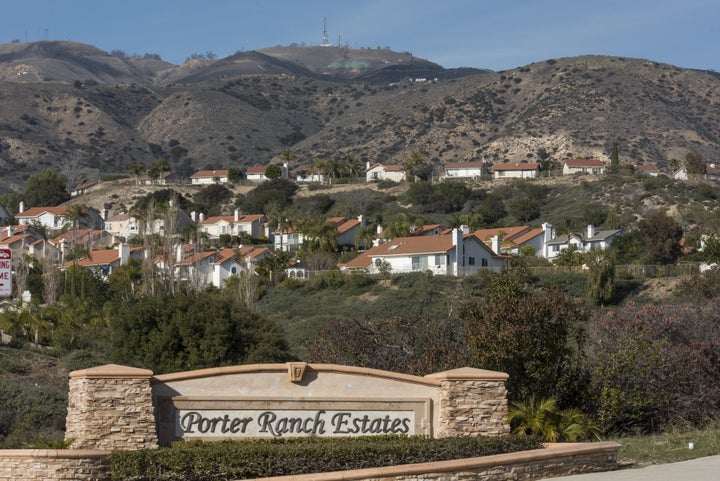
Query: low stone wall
[
  {"x": 555, "y": 460},
  {"x": 54, "y": 465}
]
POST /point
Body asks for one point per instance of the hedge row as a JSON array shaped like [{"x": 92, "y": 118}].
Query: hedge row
[{"x": 233, "y": 460}]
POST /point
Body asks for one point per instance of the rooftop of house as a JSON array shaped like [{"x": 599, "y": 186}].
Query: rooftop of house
[
  {"x": 584, "y": 163},
  {"x": 511, "y": 166},
  {"x": 464, "y": 165},
  {"x": 209, "y": 173},
  {"x": 38, "y": 211}
]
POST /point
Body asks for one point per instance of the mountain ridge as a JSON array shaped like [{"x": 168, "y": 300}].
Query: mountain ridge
[{"x": 204, "y": 114}]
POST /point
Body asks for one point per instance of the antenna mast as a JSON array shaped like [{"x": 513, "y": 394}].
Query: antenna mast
[{"x": 326, "y": 38}]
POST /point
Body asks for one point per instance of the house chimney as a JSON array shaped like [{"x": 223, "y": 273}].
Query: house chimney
[
  {"x": 457, "y": 237},
  {"x": 193, "y": 216},
  {"x": 367, "y": 165},
  {"x": 465, "y": 229},
  {"x": 495, "y": 244},
  {"x": 590, "y": 231},
  {"x": 179, "y": 252},
  {"x": 9, "y": 230},
  {"x": 548, "y": 232},
  {"x": 379, "y": 229},
  {"x": 237, "y": 215},
  {"x": 105, "y": 214},
  {"x": 123, "y": 253},
  {"x": 202, "y": 217},
  {"x": 361, "y": 219},
  {"x": 21, "y": 207}
]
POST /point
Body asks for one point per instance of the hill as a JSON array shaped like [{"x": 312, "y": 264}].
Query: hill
[{"x": 324, "y": 102}]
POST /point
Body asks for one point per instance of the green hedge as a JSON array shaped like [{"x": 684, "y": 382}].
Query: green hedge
[{"x": 232, "y": 460}]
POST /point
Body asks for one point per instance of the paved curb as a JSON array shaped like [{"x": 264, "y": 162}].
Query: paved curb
[{"x": 700, "y": 469}]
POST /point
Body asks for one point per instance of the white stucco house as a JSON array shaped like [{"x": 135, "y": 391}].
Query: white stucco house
[
  {"x": 377, "y": 172},
  {"x": 587, "y": 241},
  {"x": 516, "y": 170},
  {"x": 583, "y": 166},
  {"x": 463, "y": 170},
  {"x": 291, "y": 239},
  {"x": 205, "y": 177},
  {"x": 454, "y": 254},
  {"x": 236, "y": 224},
  {"x": 509, "y": 240},
  {"x": 256, "y": 173},
  {"x": 55, "y": 218}
]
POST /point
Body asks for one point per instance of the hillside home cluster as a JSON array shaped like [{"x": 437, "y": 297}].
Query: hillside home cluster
[
  {"x": 104, "y": 242},
  {"x": 457, "y": 252}
]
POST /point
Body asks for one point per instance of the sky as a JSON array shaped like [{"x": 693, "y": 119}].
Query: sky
[{"x": 488, "y": 34}]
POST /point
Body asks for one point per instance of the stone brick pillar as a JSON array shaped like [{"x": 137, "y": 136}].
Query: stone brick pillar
[
  {"x": 110, "y": 407},
  {"x": 473, "y": 402}
]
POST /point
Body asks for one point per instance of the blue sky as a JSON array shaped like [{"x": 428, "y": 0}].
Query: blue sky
[{"x": 493, "y": 34}]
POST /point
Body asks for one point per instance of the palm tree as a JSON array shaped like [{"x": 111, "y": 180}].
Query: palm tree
[
  {"x": 355, "y": 166},
  {"x": 364, "y": 237},
  {"x": 75, "y": 213},
  {"x": 543, "y": 419},
  {"x": 401, "y": 225},
  {"x": 137, "y": 169}
]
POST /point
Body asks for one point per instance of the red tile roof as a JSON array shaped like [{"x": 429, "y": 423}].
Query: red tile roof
[
  {"x": 584, "y": 163},
  {"x": 510, "y": 166},
  {"x": 465, "y": 165},
  {"x": 38, "y": 211},
  {"x": 209, "y": 173}
]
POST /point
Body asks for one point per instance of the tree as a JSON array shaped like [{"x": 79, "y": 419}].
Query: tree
[
  {"x": 235, "y": 174},
  {"x": 660, "y": 237},
  {"x": 418, "y": 167},
  {"x": 614, "y": 166},
  {"x": 694, "y": 163},
  {"x": 601, "y": 280},
  {"x": 46, "y": 188},
  {"x": 280, "y": 191},
  {"x": 655, "y": 366},
  {"x": 137, "y": 169},
  {"x": 535, "y": 337},
  {"x": 273, "y": 266},
  {"x": 273, "y": 172},
  {"x": 184, "y": 331}
]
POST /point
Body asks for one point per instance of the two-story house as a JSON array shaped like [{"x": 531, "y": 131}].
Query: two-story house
[
  {"x": 236, "y": 224},
  {"x": 454, "y": 254},
  {"x": 586, "y": 241},
  {"x": 55, "y": 218}
]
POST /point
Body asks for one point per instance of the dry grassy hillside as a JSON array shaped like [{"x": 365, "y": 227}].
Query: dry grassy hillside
[{"x": 551, "y": 110}]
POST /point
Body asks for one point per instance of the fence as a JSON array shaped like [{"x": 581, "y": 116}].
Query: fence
[{"x": 639, "y": 271}]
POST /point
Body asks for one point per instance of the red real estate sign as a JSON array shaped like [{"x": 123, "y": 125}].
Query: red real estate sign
[{"x": 5, "y": 272}]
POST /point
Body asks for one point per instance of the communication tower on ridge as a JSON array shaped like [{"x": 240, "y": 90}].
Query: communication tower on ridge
[{"x": 326, "y": 38}]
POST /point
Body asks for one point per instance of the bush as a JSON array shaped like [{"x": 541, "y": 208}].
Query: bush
[
  {"x": 655, "y": 366},
  {"x": 200, "y": 461}
]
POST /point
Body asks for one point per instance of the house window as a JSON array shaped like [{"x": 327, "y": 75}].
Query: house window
[
  {"x": 484, "y": 262},
  {"x": 440, "y": 260},
  {"x": 233, "y": 270},
  {"x": 415, "y": 260},
  {"x": 471, "y": 261}
]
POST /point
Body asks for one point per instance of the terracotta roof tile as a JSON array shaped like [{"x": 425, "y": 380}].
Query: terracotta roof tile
[
  {"x": 584, "y": 163},
  {"x": 209, "y": 173}
]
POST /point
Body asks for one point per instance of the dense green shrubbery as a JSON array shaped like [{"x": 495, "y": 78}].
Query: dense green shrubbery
[{"x": 229, "y": 460}]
